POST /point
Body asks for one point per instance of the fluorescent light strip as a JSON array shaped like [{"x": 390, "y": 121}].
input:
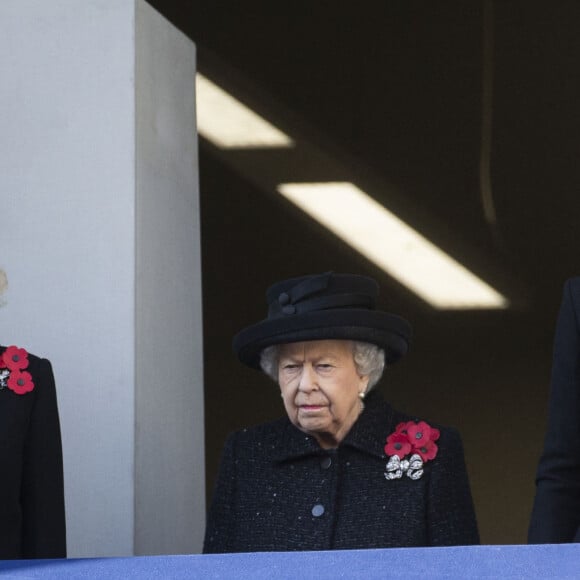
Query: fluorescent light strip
[
  {"x": 229, "y": 124},
  {"x": 392, "y": 245}
]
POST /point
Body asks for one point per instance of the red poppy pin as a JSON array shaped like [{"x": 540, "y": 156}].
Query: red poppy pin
[
  {"x": 409, "y": 448},
  {"x": 13, "y": 361}
]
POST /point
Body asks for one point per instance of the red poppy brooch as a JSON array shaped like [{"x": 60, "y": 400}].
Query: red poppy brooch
[
  {"x": 409, "y": 448},
  {"x": 13, "y": 361}
]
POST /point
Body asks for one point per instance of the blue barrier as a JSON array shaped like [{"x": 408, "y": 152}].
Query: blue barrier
[{"x": 545, "y": 561}]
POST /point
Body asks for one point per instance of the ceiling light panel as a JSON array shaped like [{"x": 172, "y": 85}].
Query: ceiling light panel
[
  {"x": 391, "y": 244},
  {"x": 229, "y": 124}
]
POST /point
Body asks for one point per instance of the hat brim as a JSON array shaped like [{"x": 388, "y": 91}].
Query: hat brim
[{"x": 388, "y": 331}]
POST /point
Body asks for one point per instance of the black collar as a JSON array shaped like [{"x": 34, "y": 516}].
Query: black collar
[{"x": 367, "y": 435}]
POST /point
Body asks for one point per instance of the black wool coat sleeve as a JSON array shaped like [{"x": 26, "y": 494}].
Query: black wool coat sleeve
[
  {"x": 277, "y": 490},
  {"x": 556, "y": 511},
  {"x": 32, "y": 515}
]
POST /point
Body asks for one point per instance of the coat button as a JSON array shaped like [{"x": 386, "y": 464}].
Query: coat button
[
  {"x": 326, "y": 462},
  {"x": 317, "y": 510}
]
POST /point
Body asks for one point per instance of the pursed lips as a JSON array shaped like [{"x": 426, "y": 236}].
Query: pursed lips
[{"x": 311, "y": 406}]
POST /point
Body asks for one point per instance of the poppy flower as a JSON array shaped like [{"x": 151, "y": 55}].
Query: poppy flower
[
  {"x": 420, "y": 434},
  {"x": 413, "y": 437},
  {"x": 16, "y": 359},
  {"x": 397, "y": 444},
  {"x": 401, "y": 428},
  {"x": 20, "y": 382},
  {"x": 427, "y": 451}
]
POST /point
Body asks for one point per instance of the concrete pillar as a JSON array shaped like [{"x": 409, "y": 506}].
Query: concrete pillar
[{"x": 99, "y": 237}]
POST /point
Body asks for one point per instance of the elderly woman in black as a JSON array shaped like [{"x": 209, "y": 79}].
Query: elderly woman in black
[{"x": 343, "y": 470}]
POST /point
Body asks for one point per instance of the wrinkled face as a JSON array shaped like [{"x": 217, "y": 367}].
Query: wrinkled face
[{"x": 320, "y": 387}]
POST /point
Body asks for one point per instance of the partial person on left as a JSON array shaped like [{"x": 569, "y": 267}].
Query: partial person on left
[{"x": 32, "y": 511}]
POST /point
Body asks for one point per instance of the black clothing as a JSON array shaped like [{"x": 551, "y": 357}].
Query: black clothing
[
  {"x": 556, "y": 512},
  {"x": 32, "y": 523},
  {"x": 278, "y": 490}
]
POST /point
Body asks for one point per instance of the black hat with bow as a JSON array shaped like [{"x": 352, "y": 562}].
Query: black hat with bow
[{"x": 324, "y": 307}]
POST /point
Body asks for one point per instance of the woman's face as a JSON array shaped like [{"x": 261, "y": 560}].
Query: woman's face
[{"x": 320, "y": 387}]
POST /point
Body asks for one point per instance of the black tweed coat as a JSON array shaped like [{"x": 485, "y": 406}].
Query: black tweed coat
[
  {"x": 277, "y": 490},
  {"x": 556, "y": 512},
  {"x": 32, "y": 523}
]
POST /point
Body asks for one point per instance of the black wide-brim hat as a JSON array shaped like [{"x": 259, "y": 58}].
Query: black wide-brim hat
[{"x": 324, "y": 307}]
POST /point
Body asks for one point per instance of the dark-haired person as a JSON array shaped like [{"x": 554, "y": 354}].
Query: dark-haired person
[
  {"x": 342, "y": 470},
  {"x": 32, "y": 520},
  {"x": 556, "y": 512}
]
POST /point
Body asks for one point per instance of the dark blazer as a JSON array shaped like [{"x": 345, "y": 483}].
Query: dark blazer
[
  {"x": 556, "y": 511},
  {"x": 32, "y": 523},
  {"x": 277, "y": 490}
]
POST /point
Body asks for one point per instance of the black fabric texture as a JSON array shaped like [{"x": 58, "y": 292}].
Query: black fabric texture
[
  {"x": 274, "y": 478},
  {"x": 324, "y": 307},
  {"x": 32, "y": 515},
  {"x": 556, "y": 511}
]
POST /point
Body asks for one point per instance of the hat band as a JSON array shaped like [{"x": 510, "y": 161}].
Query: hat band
[{"x": 322, "y": 303}]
